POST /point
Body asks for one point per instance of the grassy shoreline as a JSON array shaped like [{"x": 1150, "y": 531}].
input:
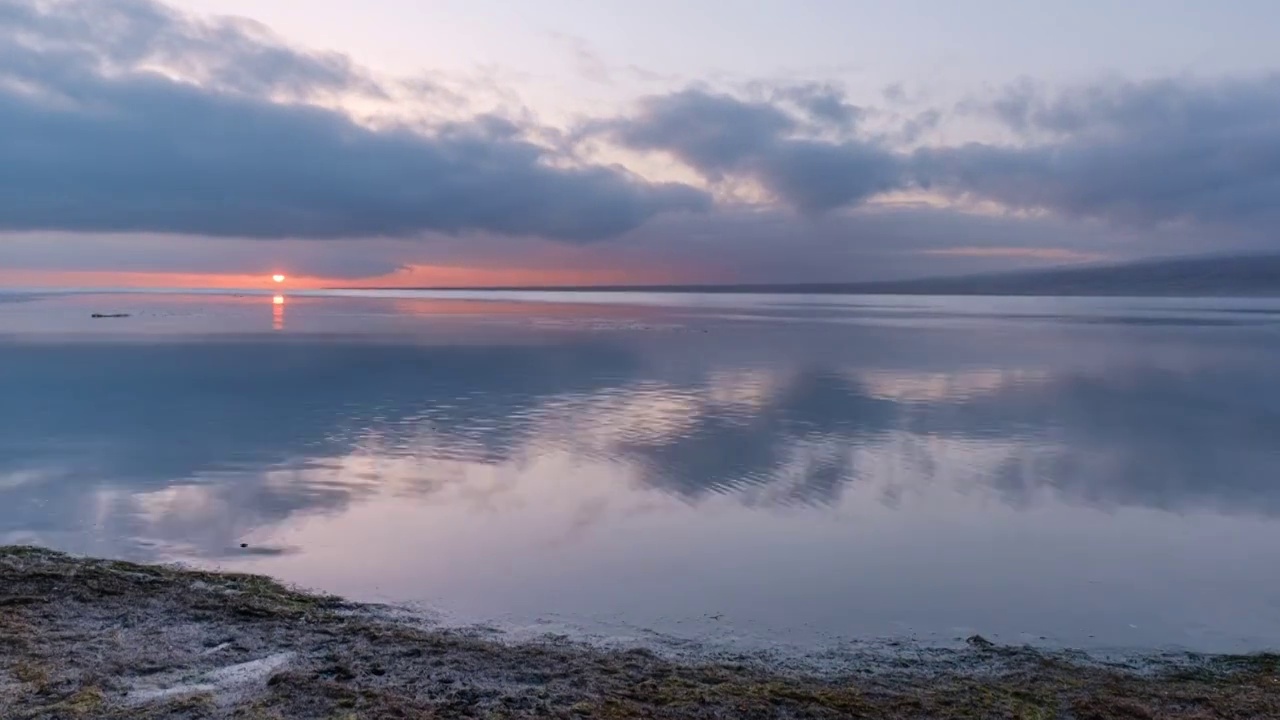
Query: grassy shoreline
[{"x": 89, "y": 638}]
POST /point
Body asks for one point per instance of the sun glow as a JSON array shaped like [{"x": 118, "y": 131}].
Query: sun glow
[{"x": 278, "y": 278}]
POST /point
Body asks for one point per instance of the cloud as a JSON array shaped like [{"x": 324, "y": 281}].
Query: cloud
[
  {"x": 721, "y": 135},
  {"x": 1205, "y": 152},
  {"x": 822, "y": 103},
  {"x": 49, "y": 252},
  {"x": 126, "y": 118},
  {"x": 113, "y": 37},
  {"x": 122, "y": 115},
  {"x": 1134, "y": 155},
  {"x": 729, "y": 245},
  {"x": 881, "y": 243}
]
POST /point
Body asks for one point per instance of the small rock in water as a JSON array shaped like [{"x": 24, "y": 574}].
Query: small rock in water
[
  {"x": 109, "y": 315},
  {"x": 979, "y": 642}
]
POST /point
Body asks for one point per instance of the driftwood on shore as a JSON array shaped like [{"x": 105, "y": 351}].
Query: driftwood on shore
[{"x": 84, "y": 638}]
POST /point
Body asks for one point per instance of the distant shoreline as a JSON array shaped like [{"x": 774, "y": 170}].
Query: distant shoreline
[
  {"x": 92, "y": 638},
  {"x": 802, "y": 290},
  {"x": 1236, "y": 276}
]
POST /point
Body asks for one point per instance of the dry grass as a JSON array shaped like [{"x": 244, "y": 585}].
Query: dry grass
[{"x": 83, "y": 638}]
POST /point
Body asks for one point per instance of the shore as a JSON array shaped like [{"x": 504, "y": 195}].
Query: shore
[{"x": 88, "y": 638}]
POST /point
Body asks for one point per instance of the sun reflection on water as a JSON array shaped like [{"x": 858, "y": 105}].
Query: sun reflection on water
[{"x": 277, "y": 312}]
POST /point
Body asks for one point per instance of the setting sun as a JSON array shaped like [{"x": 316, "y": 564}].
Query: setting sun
[{"x": 278, "y": 278}]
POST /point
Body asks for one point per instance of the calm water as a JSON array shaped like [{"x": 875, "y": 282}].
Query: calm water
[{"x": 1085, "y": 472}]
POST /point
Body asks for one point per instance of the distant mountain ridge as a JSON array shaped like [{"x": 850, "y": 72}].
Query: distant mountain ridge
[{"x": 1241, "y": 275}]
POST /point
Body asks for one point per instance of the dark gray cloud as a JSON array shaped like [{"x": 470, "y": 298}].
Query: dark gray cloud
[
  {"x": 720, "y": 135},
  {"x": 118, "y": 36},
  {"x": 93, "y": 140},
  {"x": 916, "y": 126},
  {"x": 1151, "y": 154},
  {"x": 822, "y": 103},
  {"x": 713, "y": 133},
  {"x": 1147, "y": 153}
]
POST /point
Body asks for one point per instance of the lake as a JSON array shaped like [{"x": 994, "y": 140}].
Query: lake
[{"x": 752, "y": 470}]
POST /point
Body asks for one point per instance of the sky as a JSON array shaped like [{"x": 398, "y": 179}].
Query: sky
[{"x": 449, "y": 143}]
